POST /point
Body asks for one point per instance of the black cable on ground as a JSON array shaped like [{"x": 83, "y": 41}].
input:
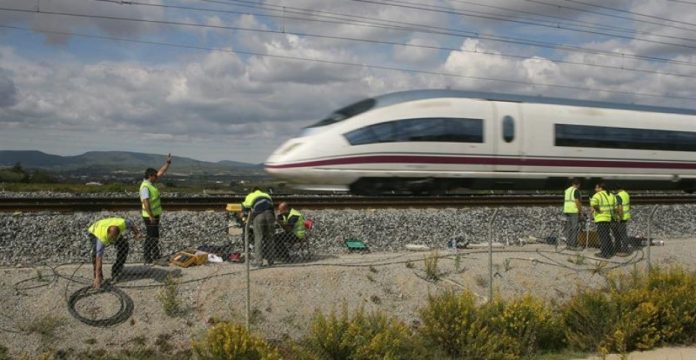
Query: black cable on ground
[{"x": 124, "y": 313}]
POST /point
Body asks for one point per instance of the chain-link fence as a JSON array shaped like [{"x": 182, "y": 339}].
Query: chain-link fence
[{"x": 385, "y": 259}]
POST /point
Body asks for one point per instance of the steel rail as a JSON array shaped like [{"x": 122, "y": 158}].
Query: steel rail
[{"x": 73, "y": 204}]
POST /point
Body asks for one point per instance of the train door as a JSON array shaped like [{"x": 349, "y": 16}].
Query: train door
[{"x": 507, "y": 136}]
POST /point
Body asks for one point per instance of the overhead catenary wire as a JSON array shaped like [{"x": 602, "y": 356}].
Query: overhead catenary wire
[
  {"x": 410, "y": 45},
  {"x": 524, "y": 22},
  {"x": 447, "y": 31},
  {"x": 362, "y": 65}
]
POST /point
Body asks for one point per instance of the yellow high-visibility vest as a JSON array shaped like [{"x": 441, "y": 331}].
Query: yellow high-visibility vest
[
  {"x": 100, "y": 229},
  {"x": 298, "y": 229},
  {"x": 606, "y": 203},
  {"x": 155, "y": 205},
  {"x": 625, "y": 204},
  {"x": 569, "y": 206}
]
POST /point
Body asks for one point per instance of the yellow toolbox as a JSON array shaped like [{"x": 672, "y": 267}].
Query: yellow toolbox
[{"x": 185, "y": 259}]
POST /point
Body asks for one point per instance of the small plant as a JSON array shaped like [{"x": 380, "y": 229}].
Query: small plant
[
  {"x": 410, "y": 265},
  {"x": 139, "y": 340},
  {"x": 256, "y": 316},
  {"x": 506, "y": 265},
  {"x": 373, "y": 269},
  {"x": 375, "y": 299},
  {"x": 578, "y": 259},
  {"x": 369, "y": 277},
  {"x": 163, "y": 344},
  {"x": 457, "y": 262},
  {"x": 481, "y": 280},
  {"x": 90, "y": 341},
  {"x": 431, "y": 270},
  {"x": 231, "y": 341},
  {"x": 168, "y": 296},
  {"x": 44, "y": 326}
]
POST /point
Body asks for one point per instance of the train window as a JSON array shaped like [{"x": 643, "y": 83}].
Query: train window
[
  {"x": 624, "y": 138},
  {"x": 508, "y": 128},
  {"x": 347, "y": 112},
  {"x": 427, "y": 129}
]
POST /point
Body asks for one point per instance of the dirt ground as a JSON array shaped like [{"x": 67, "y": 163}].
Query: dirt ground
[{"x": 35, "y": 316}]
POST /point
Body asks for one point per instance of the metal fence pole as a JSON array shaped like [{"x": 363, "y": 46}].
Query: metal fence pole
[
  {"x": 490, "y": 256},
  {"x": 247, "y": 261},
  {"x": 649, "y": 241}
]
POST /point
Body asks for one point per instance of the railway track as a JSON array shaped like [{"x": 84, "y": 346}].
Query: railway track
[{"x": 68, "y": 204}]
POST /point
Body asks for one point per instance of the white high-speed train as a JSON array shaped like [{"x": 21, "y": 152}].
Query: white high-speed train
[{"x": 430, "y": 141}]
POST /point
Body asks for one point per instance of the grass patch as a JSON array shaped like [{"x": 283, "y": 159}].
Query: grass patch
[
  {"x": 168, "y": 296},
  {"x": 431, "y": 270},
  {"x": 45, "y": 326}
]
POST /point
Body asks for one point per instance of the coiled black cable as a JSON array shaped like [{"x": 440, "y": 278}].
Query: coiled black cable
[{"x": 124, "y": 313}]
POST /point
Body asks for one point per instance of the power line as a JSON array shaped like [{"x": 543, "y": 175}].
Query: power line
[
  {"x": 633, "y": 13},
  {"x": 349, "y": 64},
  {"x": 459, "y": 33},
  {"x": 408, "y": 5},
  {"x": 429, "y": 47},
  {"x": 585, "y": 24}
]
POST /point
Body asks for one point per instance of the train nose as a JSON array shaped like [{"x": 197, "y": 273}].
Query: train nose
[{"x": 281, "y": 157}]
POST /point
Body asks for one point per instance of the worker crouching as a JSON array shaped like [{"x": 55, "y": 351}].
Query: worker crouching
[{"x": 104, "y": 233}]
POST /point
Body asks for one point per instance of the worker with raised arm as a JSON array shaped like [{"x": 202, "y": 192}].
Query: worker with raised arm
[{"x": 152, "y": 210}]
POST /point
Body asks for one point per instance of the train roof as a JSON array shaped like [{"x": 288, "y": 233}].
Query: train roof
[{"x": 411, "y": 95}]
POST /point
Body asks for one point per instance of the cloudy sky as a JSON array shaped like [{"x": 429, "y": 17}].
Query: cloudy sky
[{"x": 232, "y": 79}]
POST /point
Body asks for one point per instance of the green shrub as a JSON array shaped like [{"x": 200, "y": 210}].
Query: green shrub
[
  {"x": 168, "y": 296},
  {"x": 634, "y": 312},
  {"x": 527, "y": 320},
  {"x": 361, "y": 336},
  {"x": 452, "y": 324},
  {"x": 431, "y": 270},
  {"x": 588, "y": 317},
  {"x": 231, "y": 341}
]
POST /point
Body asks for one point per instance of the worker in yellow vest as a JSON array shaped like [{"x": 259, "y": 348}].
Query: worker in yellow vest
[
  {"x": 622, "y": 216},
  {"x": 572, "y": 209},
  {"x": 293, "y": 224},
  {"x": 152, "y": 210},
  {"x": 603, "y": 204},
  {"x": 258, "y": 206},
  {"x": 106, "y": 232}
]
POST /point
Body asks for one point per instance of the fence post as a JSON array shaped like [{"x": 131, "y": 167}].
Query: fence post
[
  {"x": 490, "y": 256},
  {"x": 247, "y": 262},
  {"x": 649, "y": 241}
]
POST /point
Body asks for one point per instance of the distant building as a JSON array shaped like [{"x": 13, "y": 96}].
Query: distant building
[{"x": 93, "y": 183}]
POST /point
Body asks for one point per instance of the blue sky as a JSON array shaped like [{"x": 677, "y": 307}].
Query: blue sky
[{"x": 246, "y": 75}]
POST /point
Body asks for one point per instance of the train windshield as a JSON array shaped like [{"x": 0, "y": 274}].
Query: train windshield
[{"x": 347, "y": 112}]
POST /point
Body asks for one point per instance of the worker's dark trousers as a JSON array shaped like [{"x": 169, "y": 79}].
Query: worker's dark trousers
[
  {"x": 572, "y": 229},
  {"x": 122, "y": 249},
  {"x": 605, "y": 243},
  {"x": 618, "y": 229},
  {"x": 264, "y": 243},
  {"x": 151, "y": 248}
]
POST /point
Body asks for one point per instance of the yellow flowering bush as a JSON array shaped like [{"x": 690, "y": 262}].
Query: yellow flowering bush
[
  {"x": 453, "y": 324},
  {"x": 634, "y": 312},
  {"x": 227, "y": 341},
  {"x": 528, "y": 321},
  {"x": 361, "y": 336}
]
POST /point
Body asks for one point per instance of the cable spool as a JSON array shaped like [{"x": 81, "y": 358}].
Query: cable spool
[{"x": 124, "y": 313}]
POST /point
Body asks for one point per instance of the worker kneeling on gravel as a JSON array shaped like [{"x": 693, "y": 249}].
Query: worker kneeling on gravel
[
  {"x": 104, "y": 233},
  {"x": 292, "y": 222}
]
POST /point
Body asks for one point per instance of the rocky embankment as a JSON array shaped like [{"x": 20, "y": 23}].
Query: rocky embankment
[{"x": 55, "y": 238}]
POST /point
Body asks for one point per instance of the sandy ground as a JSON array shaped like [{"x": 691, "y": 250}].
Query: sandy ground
[{"x": 284, "y": 297}]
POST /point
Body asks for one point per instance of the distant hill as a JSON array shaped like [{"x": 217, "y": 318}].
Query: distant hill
[{"x": 119, "y": 161}]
